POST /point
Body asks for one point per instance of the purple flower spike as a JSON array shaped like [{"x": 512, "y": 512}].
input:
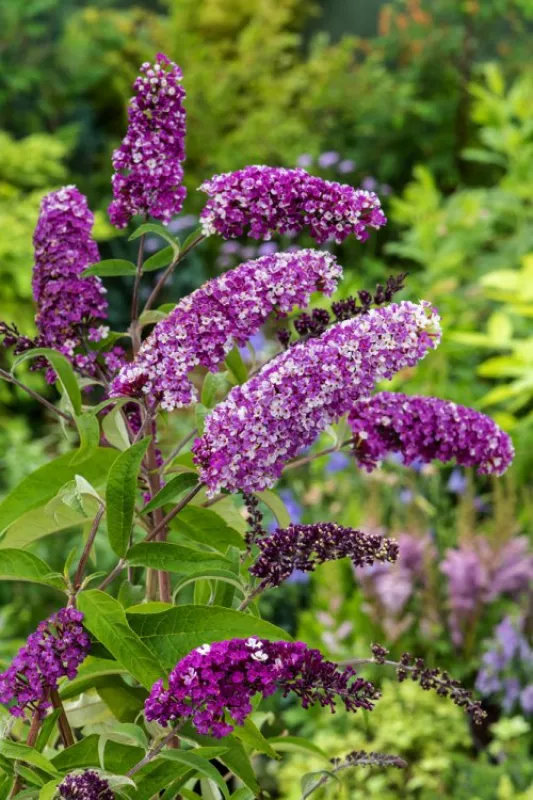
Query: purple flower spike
[
  {"x": 87, "y": 785},
  {"x": 217, "y": 681},
  {"x": 55, "y": 650},
  {"x": 303, "y": 547},
  {"x": 224, "y": 312},
  {"x": 148, "y": 172},
  {"x": 268, "y": 420},
  {"x": 263, "y": 200},
  {"x": 428, "y": 428},
  {"x": 68, "y": 306}
]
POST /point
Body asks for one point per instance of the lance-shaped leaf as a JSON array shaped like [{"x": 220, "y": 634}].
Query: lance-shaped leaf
[
  {"x": 43, "y": 484},
  {"x": 20, "y": 565},
  {"x": 160, "y": 259},
  {"x": 172, "y": 491},
  {"x": 106, "y": 620},
  {"x": 110, "y": 268},
  {"x": 207, "y": 527},
  {"x": 16, "y": 751},
  {"x": 173, "y": 633},
  {"x": 89, "y": 432},
  {"x": 121, "y": 493},
  {"x": 174, "y": 558},
  {"x": 63, "y": 369}
]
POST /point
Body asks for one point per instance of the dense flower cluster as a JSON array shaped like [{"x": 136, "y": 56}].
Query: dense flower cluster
[
  {"x": 427, "y": 428},
  {"x": 86, "y": 785},
  {"x": 224, "y": 312},
  {"x": 478, "y": 574},
  {"x": 55, "y": 650},
  {"x": 223, "y": 677},
  {"x": 68, "y": 305},
  {"x": 268, "y": 420},
  {"x": 148, "y": 163},
  {"x": 303, "y": 547},
  {"x": 507, "y": 667},
  {"x": 260, "y": 201}
]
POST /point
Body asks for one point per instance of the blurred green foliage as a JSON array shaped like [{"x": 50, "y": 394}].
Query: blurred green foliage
[{"x": 430, "y": 734}]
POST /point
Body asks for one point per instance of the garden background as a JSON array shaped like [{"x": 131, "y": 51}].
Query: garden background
[{"x": 431, "y": 105}]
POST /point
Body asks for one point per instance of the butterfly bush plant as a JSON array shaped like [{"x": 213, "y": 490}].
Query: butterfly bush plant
[{"x": 182, "y": 670}]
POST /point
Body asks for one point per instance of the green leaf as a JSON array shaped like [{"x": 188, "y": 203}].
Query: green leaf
[
  {"x": 110, "y": 268},
  {"x": 124, "y": 701},
  {"x": 200, "y": 414},
  {"x": 172, "y": 491},
  {"x": 173, "y": 633},
  {"x": 277, "y": 506},
  {"x": 169, "y": 774},
  {"x": 43, "y": 484},
  {"x": 15, "y": 751},
  {"x": 174, "y": 558},
  {"x": 252, "y": 737},
  {"x": 207, "y": 527},
  {"x": 88, "y": 674},
  {"x": 20, "y": 565},
  {"x": 48, "y": 791},
  {"x": 192, "y": 238},
  {"x": 39, "y": 523},
  {"x": 106, "y": 620},
  {"x": 89, "y": 431},
  {"x": 236, "y": 365},
  {"x": 215, "y": 383},
  {"x": 221, "y": 576},
  {"x": 63, "y": 369},
  {"x": 125, "y": 733},
  {"x": 296, "y": 744},
  {"x": 242, "y": 794},
  {"x": 311, "y": 781},
  {"x": 151, "y": 317},
  {"x": 115, "y": 428},
  {"x": 159, "y": 230},
  {"x": 78, "y": 495},
  {"x": 120, "y": 495},
  {"x": 47, "y": 727},
  {"x": 160, "y": 259},
  {"x": 235, "y": 758},
  {"x": 199, "y": 764},
  {"x": 119, "y": 757}
]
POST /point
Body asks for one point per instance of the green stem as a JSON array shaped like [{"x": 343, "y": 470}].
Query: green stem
[
  {"x": 87, "y": 549},
  {"x": 169, "y": 270},
  {"x": 42, "y": 400},
  {"x": 134, "y": 326}
]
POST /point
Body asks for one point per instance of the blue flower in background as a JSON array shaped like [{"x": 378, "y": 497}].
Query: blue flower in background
[
  {"x": 337, "y": 462},
  {"x": 292, "y": 505},
  {"x": 258, "y": 342},
  {"x": 526, "y": 699},
  {"x": 328, "y": 159},
  {"x": 457, "y": 482},
  {"x": 369, "y": 183},
  {"x": 305, "y": 160},
  {"x": 267, "y": 248},
  {"x": 406, "y": 496},
  {"x": 346, "y": 165},
  {"x": 298, "y": 576}
]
